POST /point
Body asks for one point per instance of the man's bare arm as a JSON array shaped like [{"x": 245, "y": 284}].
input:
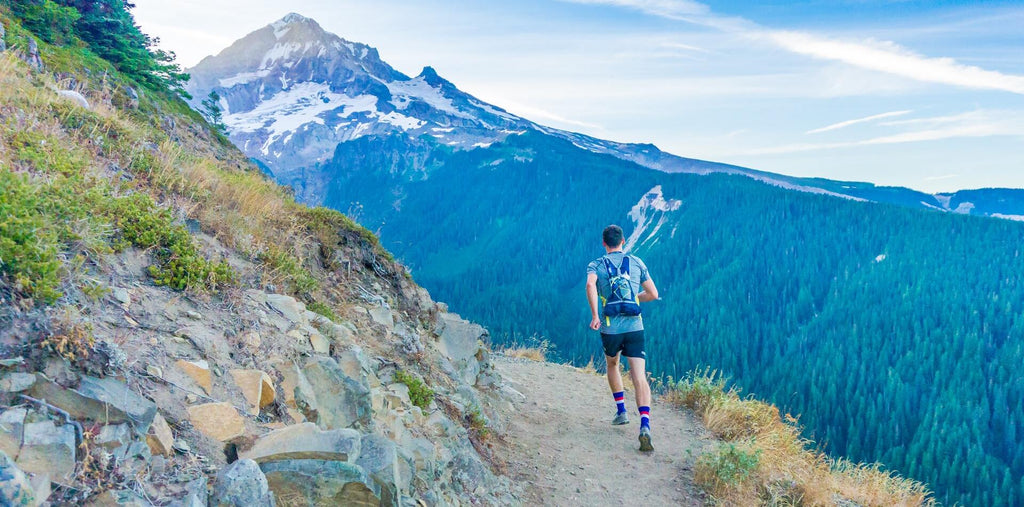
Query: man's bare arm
[
  {"x": 650, "y": 292},
  {"x": 595, "y": 320}
]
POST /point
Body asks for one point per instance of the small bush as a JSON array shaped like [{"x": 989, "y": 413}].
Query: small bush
[
  {"x": 419, "y": 392},
  {"x": 478, "y": 423},
  {"x": 322, "y": 309},
  {"x": 28, "y": 249},
  {"x": 288, "y": 268},
  {"x": 726, "y": 467},
  {"x": 180, "y": 264}
]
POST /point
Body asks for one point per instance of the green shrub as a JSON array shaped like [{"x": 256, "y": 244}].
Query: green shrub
[
  {"x": 419, "y": 392},
  {"x": 322, "y": 309},
  {"x": 289, "y": 268},
  {"x": 180, "y": 264},
  {"x": 28, "y": 248},
  {"x": 727, "y": 465},
  {"x": 478, "y": 423}
]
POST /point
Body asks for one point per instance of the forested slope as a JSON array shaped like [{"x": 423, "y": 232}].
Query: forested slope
[{"x": 894, "y": 332}]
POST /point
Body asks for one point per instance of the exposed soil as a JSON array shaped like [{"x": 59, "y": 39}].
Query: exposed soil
[{"x": 562, "y": 442}]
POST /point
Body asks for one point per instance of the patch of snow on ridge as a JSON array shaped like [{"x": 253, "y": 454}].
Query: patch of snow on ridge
[
  {"x": 650, "y": 214},
  {"x": 417, "y": 88},
  {"x": 290, "y": 109}
]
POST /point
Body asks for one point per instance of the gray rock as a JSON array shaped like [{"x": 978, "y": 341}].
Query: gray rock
[
  {"x": 119, "y": 293},
  {"x": 294, "y": 311},
  {"x": 122, "y": 497},
  {"x": 354, "y": 363},
  {"x": 16, "y": 382},
  {"x": 341, "y": 401},
  {"x": 460, "y": 342},
  {"x": 379, "y": 458},
  {"x": 313, "y": 482},
  {"x": 31, "y": 57},
  {"x": 133, "y": 97},
  {"x": 15, "y": 488},
  {"x": 103, "y": 400},
  {"x": 242, "y": 484},
  {"x": 113, "y": 436},
  {"x": 3, "y": 43},
  {"x": 305, "y": 441},
  {"x": 75, "y": 97},
  {"x": 468, "y": 471},
  {"x": 195, "y": 494},
  {"x": 48, "y": 448},
  {"x": 459, "y": 338},
  {"x": 12, "y": 423},
  {"x": 409, "y": 342},
  {"x": 383, "y": 316}
]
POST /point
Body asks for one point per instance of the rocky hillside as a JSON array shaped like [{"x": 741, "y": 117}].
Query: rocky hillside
[{"x": 176, "y": 330}]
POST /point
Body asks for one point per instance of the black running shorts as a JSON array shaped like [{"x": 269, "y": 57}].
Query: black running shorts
[{"x": 630, "y": 344}]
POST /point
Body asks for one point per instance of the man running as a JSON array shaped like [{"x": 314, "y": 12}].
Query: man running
[{"x": 616, "y": 279}]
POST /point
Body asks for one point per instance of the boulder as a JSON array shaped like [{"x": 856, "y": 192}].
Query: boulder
[
  {"x": 113, "y": 436},
  {"x": 288, "y": 307},
  {"x": 304, "y": 441},
  {"x": 354, "y": 363},
  {"x": 160, "y": 438},
  {"x": 378, "y": 457},
  {"x": 31, "y": 56},
  {"x": 195, "y": 494},
  {"x": 340, "y": 401},
  {"x": 320, "y": 344},
  {"x": 73, "y": 96},
  {"x": 199, "y": 371},
  {"x": 241, "y": 484},
  {"x": 16, "y": 382},
  {"x": 3, "y": 43},
  {"x": 383, "y": 316},
  {"x": 308, "y": 482},
  {"x": 15, "y": 488},
  {"x": 257, "y": 388},
  {"x": 48, "y": 449},
  {"x": 220, "y": 421},
  {"x": 460, "y": 341},
  {"x": 102, "y": 400},
  {"x": 292, "y": 382},
  {"x": 12, "y": 423}
]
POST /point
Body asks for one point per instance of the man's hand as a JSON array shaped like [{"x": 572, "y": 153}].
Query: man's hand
[{"x": 595, "y": 323}]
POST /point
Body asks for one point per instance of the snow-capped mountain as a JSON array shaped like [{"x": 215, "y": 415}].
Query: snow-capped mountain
[{"x": 292, "y": 93}]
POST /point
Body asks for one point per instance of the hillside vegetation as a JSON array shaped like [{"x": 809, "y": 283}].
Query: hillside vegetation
[{"x": 175, "y": 328}]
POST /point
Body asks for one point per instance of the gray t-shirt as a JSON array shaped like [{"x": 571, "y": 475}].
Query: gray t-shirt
[{"x": 637, "y": 275}]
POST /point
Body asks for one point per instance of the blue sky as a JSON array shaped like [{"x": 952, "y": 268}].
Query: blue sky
[{"x": 928, "y": 95}]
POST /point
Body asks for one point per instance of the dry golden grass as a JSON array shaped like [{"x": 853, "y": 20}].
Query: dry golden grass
[
  {"x": 767, "y": 462},
  {"x": 531, "y": 353}
]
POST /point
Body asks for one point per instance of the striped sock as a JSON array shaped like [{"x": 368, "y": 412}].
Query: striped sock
[
  {"x": 620, "y": 401},
  {"x": 645, "y": 417}
]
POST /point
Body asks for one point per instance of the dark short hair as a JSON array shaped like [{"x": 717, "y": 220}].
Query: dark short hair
[{"x": 612, "y": 235}]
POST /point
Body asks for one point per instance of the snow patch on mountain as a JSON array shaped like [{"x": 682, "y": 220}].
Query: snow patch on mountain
[{"x": 649, "y": 215}]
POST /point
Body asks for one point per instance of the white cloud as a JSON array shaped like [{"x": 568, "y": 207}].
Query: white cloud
[
  {"x": 967, "y": 125},
  {"x": 847, "y": 123},
  {"x": 890, "y": 58},
  {"x": 881, "y": 56}
]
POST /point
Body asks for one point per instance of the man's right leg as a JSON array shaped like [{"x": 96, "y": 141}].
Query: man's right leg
[{"x": 615, "y": 383}]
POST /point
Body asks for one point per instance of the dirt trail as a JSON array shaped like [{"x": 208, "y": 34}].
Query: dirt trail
[{"x": 562, "y": 442}]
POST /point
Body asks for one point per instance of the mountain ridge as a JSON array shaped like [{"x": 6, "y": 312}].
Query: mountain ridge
[{"x": 368, "y": 102}]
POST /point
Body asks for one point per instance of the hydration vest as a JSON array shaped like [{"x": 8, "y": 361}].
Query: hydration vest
[{"x": 622, "y": 299}]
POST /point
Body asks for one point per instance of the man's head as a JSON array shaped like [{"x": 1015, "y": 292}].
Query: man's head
[{"x": 612, "y": 236}]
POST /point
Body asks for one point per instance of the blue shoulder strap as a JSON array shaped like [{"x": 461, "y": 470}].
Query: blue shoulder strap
[
  {"x": 612, "y": 270},
  {"x": 625, "y": 265}
]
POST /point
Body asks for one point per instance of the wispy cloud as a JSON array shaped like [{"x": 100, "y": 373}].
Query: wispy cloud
[
  {"x": 536, "y": 113},
  {"x": 881, "y": 56},
  {"x": 847, "y": 123}
]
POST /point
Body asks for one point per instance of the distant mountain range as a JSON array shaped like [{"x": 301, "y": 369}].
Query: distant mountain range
[{"x": 292, "y": 92}]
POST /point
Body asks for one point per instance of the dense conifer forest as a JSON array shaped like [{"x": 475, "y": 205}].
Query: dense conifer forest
[{"x": 895, "y": 334}]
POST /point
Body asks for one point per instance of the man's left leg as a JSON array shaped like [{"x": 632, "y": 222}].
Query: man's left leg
[{"x": 633, "y": 349}]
